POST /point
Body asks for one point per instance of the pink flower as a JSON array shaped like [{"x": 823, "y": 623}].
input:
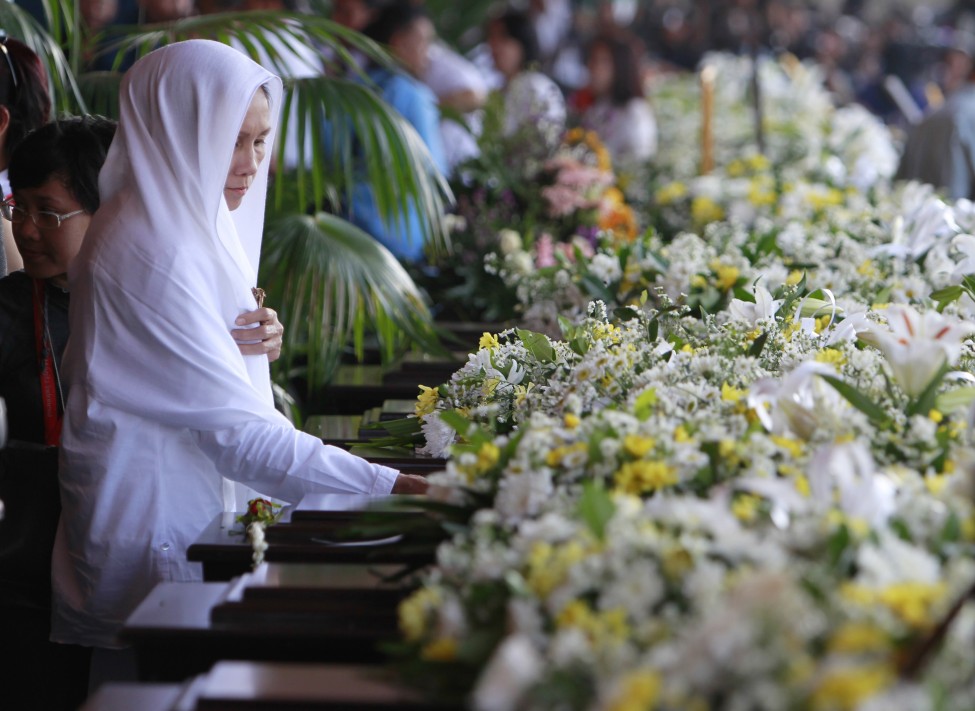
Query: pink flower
[{"x": 544, "y": 251}]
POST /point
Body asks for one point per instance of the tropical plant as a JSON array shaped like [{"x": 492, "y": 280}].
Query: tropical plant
[{"x": 330, "y": 282}]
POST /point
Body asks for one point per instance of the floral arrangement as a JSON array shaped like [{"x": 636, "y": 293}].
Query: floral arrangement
[
  {"x": 737, "y": 468},
  {"x": 556, "y": 196},
  {"x": 260, "y": 514}
]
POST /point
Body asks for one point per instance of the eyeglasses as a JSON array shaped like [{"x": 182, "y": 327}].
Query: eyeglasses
[
  {"x": 43, "y": 219},
  {"x": 6, "y": 55}
]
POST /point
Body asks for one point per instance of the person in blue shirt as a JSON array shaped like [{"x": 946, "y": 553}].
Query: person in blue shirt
[{"x": 407, "y": 32}]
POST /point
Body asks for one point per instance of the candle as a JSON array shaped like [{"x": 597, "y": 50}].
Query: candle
[{"x": 707, "y": 118}]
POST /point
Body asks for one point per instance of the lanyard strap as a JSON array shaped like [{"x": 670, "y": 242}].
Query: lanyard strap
[{"x": 45, "y": 362}]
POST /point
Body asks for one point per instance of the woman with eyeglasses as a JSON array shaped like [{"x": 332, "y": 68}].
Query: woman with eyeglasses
[
  {"x": 25, "y": 104},
  {"x": 54, "y": 172}
]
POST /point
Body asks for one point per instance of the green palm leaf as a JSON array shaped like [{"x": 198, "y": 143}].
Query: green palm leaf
[
  {"x": 331, "y": 281},
  {"x": 21, "y": 25}
]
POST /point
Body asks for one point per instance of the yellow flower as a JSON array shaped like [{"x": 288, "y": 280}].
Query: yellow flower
[
  {"x": 415, "y": 610},
  {"x": 822, "y": 200},
  {"x": 426, "y": 402},
  {"x": 802, "y": 486},
  {"x": 732, "y": 394},
  {"x": 795, "y": 276},
  {"x": 704, "y": 210},
  {"x": 637, "y": 446},
  {"x": 638, "y": 691},
  {"x": 548, "y": 566},
  {"x": 488, "y": 340},
  {"x": 867, "y": 269},
  {"x": 846, "y": 688},
  {"x": 830, "y": 355},
  {"x": 681, "y": 435},
  {"x": 936, "y": 483},
  {"x": 672, "y": 192},
  {"x": 571, "y": 420},
  {"x": 602, "y": 628},
  {"x": 644, "y": 477},
  {"x": 745, "y": 507},
  {"x": 761, "y": 193},
  {"x": 440, "y": 650},
  {"x": 487, "y": 456},
  {"x": 792, "y": 446},
  {"x": 935, "y": 416},
  {"x": 858, "y": 637},
  {"x": 728, "y": 276},
  {"x": 913, "y": 602}
]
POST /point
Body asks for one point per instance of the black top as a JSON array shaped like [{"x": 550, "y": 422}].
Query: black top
[
  {"x": 20, "y": 384},
  {"x": 28, "y": 469}
]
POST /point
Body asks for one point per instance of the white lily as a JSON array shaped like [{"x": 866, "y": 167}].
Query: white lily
[
  {"x": 798, "y": 402},
  {"x": 765, "y": 307},
  {"x": 917, "y": 346},
  {"x": 917, "y": 231},
  {"x": 849, "y": 470}
]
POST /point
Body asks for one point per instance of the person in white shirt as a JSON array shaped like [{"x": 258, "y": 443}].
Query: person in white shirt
[
  {"x": 458, "y": 85},
  {"x": 619, "y": 112},
  {"x": 530, "y": 97},
  {"x": 165, "y": 414}
]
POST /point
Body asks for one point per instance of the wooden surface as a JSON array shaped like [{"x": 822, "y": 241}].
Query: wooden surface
[
  {"x": 305, "y": 614},
  {"x": 241, "y": 685}
]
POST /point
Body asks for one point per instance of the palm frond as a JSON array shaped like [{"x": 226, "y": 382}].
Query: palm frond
[
  {"x": 100, "y": 91},
  {"x": 19, "y": 24},
  {"x": 330, "y": 282},
  {"x": 355, "y": 136}
]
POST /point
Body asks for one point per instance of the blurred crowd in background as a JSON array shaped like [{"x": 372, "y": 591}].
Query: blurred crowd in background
[
  {"x": 859, "y": 44},
  {"x": 557, "y": 64}
]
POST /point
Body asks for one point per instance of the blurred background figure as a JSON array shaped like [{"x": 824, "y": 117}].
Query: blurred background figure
[
  {"x": 941, "y": 149},
  {"x": 407, "y": 33},
  {"x": 25, "y": 104},
  {"x": 152, "y": 11},
  {"x": 530, "y": 97},
  {"x": 615, "y": 105}
]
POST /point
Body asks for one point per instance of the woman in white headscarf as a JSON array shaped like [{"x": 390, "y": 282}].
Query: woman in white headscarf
[{"x": 162, "y": 404}]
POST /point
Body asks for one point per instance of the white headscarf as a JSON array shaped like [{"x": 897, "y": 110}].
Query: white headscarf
[{"x": 165, "y": 237}]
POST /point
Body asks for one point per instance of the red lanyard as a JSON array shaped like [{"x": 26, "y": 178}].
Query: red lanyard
[{"x": 45, "y": 361}]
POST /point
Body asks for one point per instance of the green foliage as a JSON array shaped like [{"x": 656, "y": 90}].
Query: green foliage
[{"x": 596, "y": 508}]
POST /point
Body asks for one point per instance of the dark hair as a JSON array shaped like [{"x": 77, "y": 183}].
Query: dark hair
[
  {"x": 29, "y": 102},
  {"x": 626, "y": 68},
  {"x": 72, "y": 149},
  {"x": 391, "y": 19},
  {"x": 518, "y": 26}
]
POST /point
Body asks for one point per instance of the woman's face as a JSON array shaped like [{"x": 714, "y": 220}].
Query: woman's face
[
  {"x": 411, "y": 45},
  {"x": 600, "y": 70},
  {"x": 507, "y": 52},
  {"x": 47, "y": 252},
  {"x": 248, "y": 150}
]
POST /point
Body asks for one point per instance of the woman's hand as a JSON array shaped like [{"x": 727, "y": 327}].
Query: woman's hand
[
  {"x": 410, "y": 484},
  {"x": 265, "y": 339}
]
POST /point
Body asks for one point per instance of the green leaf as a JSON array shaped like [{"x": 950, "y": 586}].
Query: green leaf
[
  {"x": 860, "y": 401},
  {"x": 456, "y": 421},
  {"x": 596, "y": 508},
  {"x": 643, "y": 406},
  {"x": 945, "y": 296},
  {"x": 538, "y": 345},
  {"x": 758, "y": 345},
  {"x": 926, "y": 400},
  {"x": 329, "y": 280}
]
